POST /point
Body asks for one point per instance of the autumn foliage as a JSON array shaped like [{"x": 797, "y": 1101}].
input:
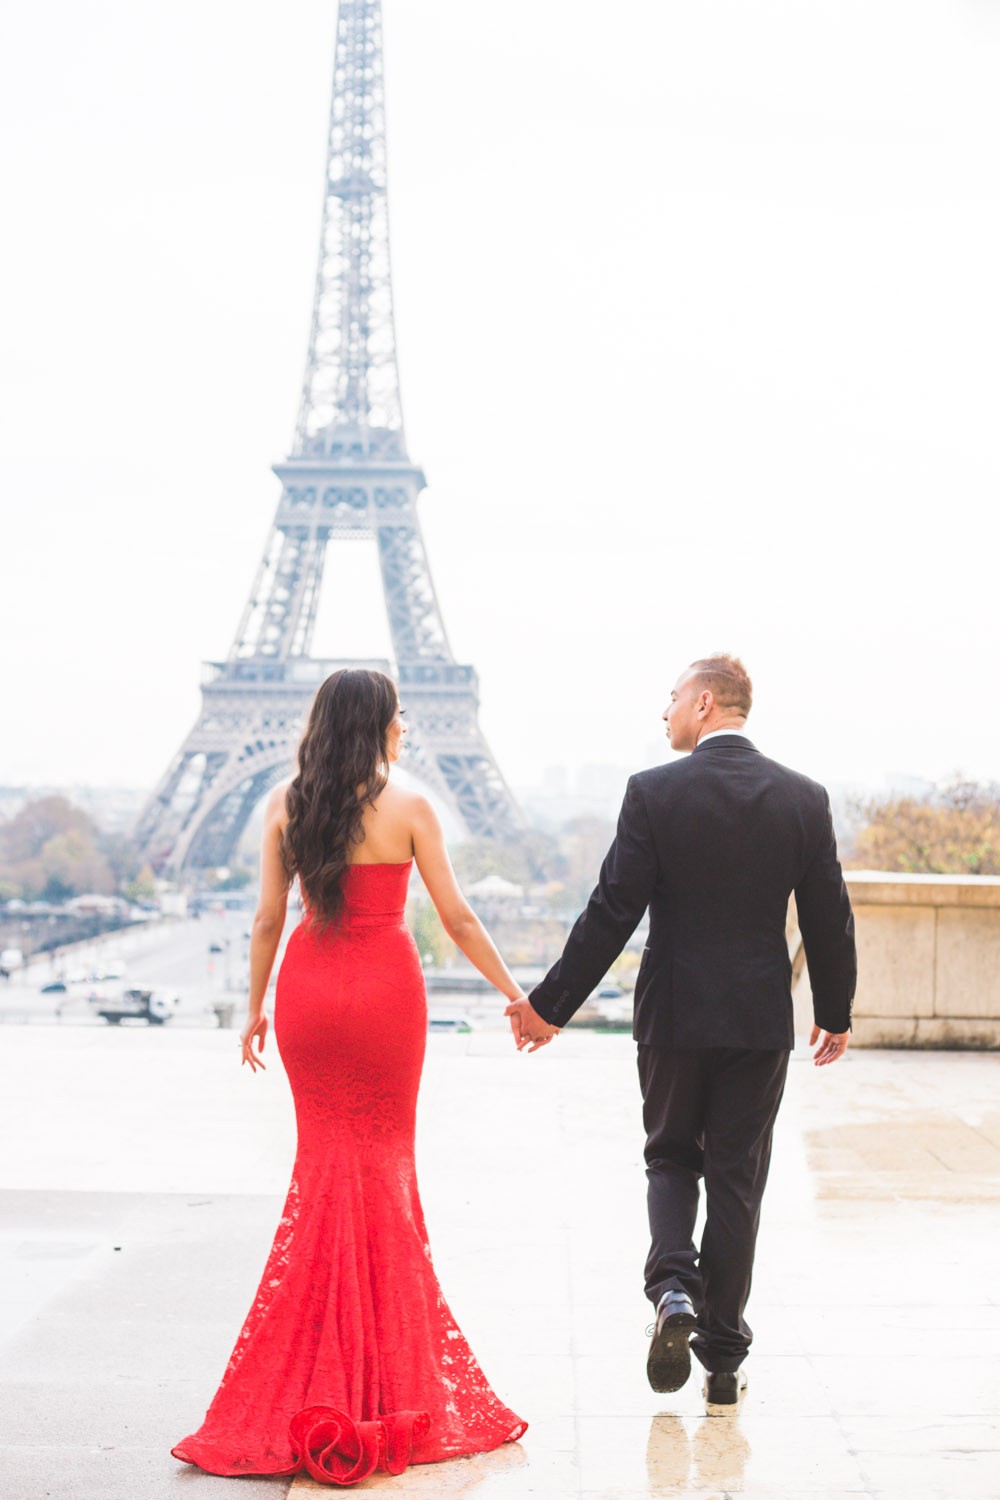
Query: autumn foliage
[
  {"x": 53, "y": 850},
  {"x": 956, "y": 831}
]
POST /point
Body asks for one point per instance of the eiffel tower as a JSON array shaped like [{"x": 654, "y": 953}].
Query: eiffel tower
[{"x": 348, "y": 476}]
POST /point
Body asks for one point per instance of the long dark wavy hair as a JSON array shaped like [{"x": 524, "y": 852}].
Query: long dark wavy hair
[{"x": 343, "y": 767}]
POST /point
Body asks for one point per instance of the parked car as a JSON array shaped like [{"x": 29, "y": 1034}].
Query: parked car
[
  {"x": 11, "y": 959},
  {"x": 57, "y": 987},
  {"x": 114, "y": 969},
  {"x": 449, "y": 1023}
]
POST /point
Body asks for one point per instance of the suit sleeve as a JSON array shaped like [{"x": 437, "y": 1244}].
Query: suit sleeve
[
  {"x": 628, "y": 877},
  {"x": 826, "y": 923}
]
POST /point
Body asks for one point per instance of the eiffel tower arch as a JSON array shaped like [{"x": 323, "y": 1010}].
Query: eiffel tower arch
[{"x": 348, "y": 476}]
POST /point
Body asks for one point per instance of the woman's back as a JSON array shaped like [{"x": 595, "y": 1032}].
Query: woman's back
[
  {"x": 387, "y": 826},
  {"x": 388, "y": 829}
]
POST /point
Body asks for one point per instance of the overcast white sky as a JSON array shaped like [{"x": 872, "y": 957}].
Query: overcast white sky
[{"x": 699, "y": 319}]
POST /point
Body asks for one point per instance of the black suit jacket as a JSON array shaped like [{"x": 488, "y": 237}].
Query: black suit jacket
[{"x": 714, "y": 845}]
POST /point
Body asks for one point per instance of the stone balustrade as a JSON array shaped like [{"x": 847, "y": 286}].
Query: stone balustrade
[{"x": 928, "y": 961}]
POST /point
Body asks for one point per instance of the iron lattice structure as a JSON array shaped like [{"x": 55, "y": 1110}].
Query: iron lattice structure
[{"x": 348, "y": 476}]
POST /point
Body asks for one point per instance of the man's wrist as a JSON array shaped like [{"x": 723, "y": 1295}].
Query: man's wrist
[{"x": 539, "y": 1005}]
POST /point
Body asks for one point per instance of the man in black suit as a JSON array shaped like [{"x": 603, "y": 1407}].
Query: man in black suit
[{"x": 713, "y": 845}]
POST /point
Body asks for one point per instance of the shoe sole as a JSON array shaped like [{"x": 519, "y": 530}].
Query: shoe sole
[{"x": 669, "y": 1362}]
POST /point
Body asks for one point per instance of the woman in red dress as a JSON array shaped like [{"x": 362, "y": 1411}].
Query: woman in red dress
[{"x": 349, "y": 1359}]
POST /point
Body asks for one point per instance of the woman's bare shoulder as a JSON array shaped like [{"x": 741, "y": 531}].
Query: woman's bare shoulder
[
  {"x": 405, "y": 811},
  {"x": 277, "y": 802},
  {"x": 404, "y": 801}
]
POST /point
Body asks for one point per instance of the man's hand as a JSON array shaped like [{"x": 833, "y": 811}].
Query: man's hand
[
  {"x": 528, "y": 1026},
  {"x": 832, "y": 1044}
]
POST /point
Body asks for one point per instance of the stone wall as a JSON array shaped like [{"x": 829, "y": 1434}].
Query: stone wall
[{"x": 928, "y": 961}]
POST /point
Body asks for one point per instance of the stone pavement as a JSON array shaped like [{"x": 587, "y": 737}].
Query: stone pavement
[{"x": 140, "y": 1179}]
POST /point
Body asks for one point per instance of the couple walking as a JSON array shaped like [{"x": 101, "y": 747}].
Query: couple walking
[{"x": 349, "y": 1359}]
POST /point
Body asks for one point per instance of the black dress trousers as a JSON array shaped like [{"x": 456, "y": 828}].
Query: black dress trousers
[{"x": 708, "y": 1112}]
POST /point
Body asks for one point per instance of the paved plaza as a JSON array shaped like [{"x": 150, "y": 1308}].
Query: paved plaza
[{"x": 141, "y": 1178}]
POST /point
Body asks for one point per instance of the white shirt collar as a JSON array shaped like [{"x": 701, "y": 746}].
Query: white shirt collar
[{"x": 706, "y": 737}]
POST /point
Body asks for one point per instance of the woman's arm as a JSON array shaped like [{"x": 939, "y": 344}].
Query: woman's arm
[
  {"x": 457, "y": 917},
  {"x": 268, "y": 924}
]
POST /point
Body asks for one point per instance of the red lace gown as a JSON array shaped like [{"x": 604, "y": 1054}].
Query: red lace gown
[{"x": 350, "y": 1359}]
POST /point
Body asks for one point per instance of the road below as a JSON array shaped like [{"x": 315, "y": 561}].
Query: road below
[{"x": 202, "y": 961}]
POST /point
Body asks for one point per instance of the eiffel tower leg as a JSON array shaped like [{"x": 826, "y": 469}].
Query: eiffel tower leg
[
  {"x": 441, "y": 695},
  {"x": 471, "y": 785},
  {"x": 414, "y": 617},
  {"x": 184, "y": 790},
  {"x": 148, "y": 828},
  {"x": 244, "y": 742},
  {"x": 218, "y": 831}
]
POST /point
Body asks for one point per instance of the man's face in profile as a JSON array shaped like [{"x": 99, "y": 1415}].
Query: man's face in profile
[{"x": 680, "y": 714}]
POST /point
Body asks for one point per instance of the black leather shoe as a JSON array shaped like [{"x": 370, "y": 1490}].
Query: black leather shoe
[
  {"x": 724, "y": 1387},
  {"x": 669, "y": 1362}
]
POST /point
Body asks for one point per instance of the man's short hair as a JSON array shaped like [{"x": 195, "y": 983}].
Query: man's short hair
[{"x": 727, "y": 679}]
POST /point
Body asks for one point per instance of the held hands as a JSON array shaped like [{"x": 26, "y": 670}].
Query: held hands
[
  {"x": 254, "y": 1026},
  {"x": 528, "y": 1026},
  {"x": 832, "y": 1044}
]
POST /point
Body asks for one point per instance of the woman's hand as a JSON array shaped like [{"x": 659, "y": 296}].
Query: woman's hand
[
  {"x": 528, "y": 1026},
  {"x": 254, "y": 1026}
]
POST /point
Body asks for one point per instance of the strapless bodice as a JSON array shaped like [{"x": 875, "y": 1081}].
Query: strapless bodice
[{"x": 375, "y": 895}]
